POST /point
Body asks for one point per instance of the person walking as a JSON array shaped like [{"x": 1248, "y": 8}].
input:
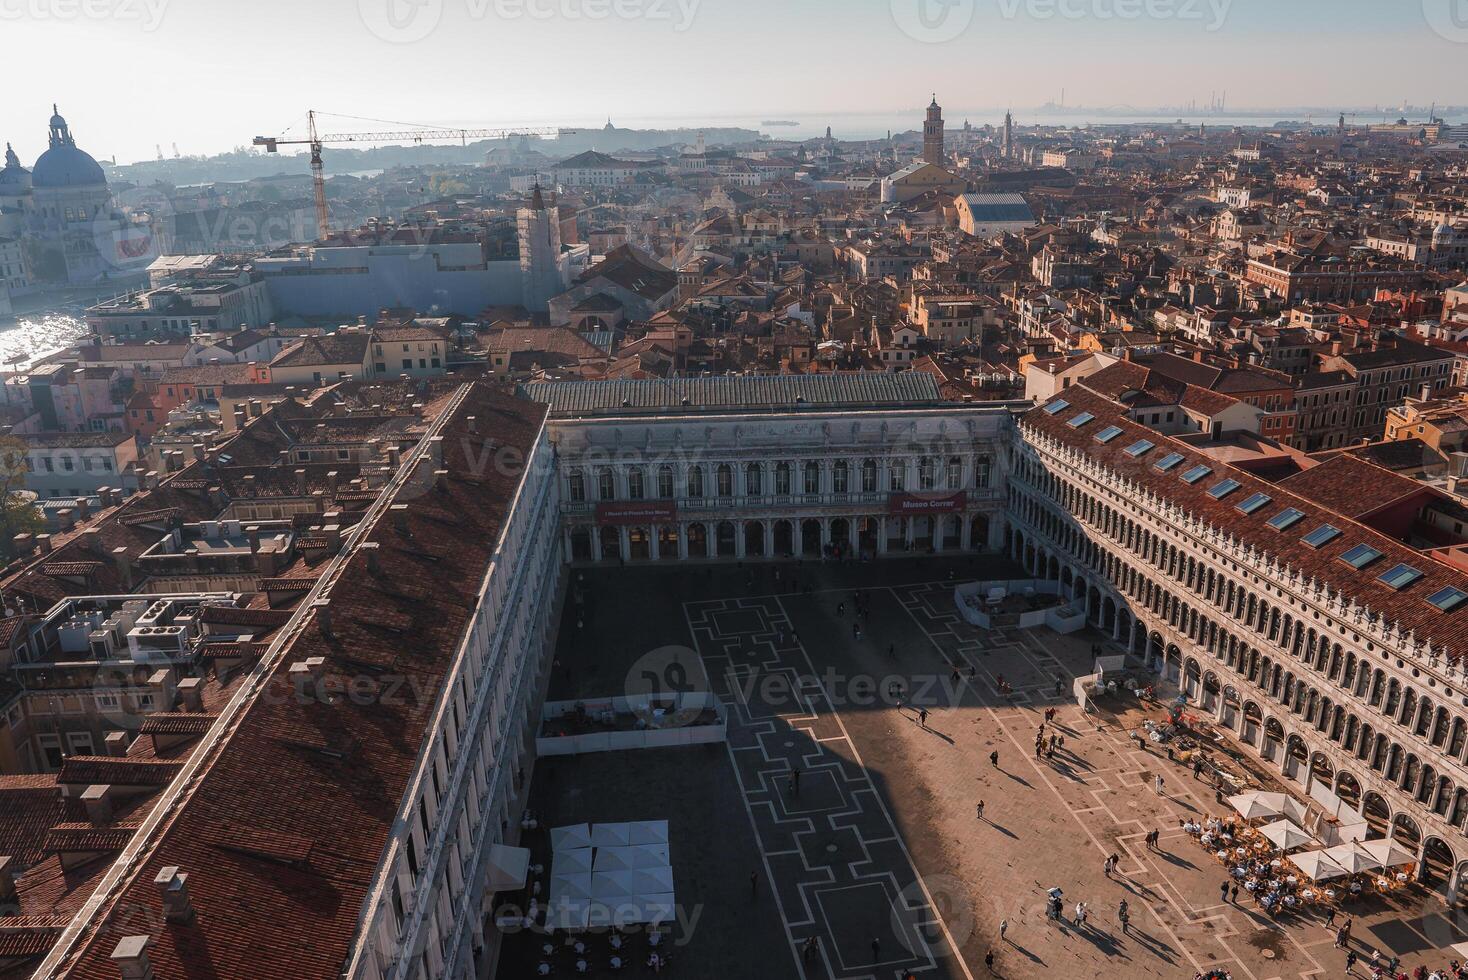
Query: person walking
[
  {"x": 923, "y": 717},
  {"x": 1223, "y": 892},
  {"x": 1123, "y": 915},
  {"x": 1233, "y": 893},
  {"x": 754, "y": 884},
  {"x": 1080, "y": 913},
  {"x": 989, "y": 960},
  {"x": 795, "y": 783},
  {"x": 1003, "y": 928},
  {"x": 1159, "y": 784},
  {"x": 1330, "y": 917},
  {"x": 1351, "y": 963},
  {"x": 1346, "y": 932},
  {"x": 994, "y": 759},
  {"x": 876, "y": 950}
]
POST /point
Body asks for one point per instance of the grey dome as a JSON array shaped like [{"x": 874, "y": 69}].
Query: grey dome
[{"x": 65, "y": 164}]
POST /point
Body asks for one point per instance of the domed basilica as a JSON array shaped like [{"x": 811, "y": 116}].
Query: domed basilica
[{"x": 58, "y": 218}]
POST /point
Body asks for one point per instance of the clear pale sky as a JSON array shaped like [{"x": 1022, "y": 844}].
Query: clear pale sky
[{"x": 209, "y": 74}]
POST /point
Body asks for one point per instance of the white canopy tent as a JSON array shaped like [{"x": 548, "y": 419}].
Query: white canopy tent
[
  {"x": 632, "y": 857},
  {"x": 1254, "y": 806},
  {"x": 1317, "y": 865},
  {"x": 1388, "y": 852},
  {"x": 572, "y": 860},
  {"x": 1284, "y": 835},
  {"x": 575, "y": 835},
  {"x": 648, "y": 832},
  {"x": 611, "y": 835},
  {"x": 1352, "y": 858}
]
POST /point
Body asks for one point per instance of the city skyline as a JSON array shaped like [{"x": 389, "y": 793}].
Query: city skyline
[{"x": 500, "y": 62}]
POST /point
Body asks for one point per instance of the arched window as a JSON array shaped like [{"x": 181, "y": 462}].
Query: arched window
[
  {"x": 782, "y": 479},
  {"x": 869, "y": 476},
  {"x": 926, "y": 473},
  {"x": 955, "y": 473},
  {"x": 635, "y": 488},
  {"x": 812, "y": 481},
  {"x": 753, "y": 480},
  {"x": 665, "y": 482},
  {"x": 841, "y": 477},
  {"x": 606, "y": 488},
  {"x": 577, "y": 486},
  {"x": 695, "y": 482},
  {"x": 725, "y": 478}
]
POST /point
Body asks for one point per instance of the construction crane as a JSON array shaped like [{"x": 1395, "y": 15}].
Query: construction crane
[{"x": 316, "y": 141}]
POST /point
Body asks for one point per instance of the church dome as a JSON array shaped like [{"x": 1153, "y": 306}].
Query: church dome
[
  {"x": 13, "y": 174},
  {"x": 64, "y": 164}
]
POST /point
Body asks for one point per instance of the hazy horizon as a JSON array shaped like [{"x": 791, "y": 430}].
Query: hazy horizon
[{"x": 130, "y": 75}]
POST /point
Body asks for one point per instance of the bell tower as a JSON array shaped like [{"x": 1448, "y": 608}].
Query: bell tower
[{"x": 933, "y": 134}]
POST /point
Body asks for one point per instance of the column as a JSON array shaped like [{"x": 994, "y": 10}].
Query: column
[
  {"x": 769, "y": 527},
  {"x": 683, "y": 540},
  {"x": 739, "y": 539},
  {"x": 966, "y": 532},
  {"x": 907, "y": 534},
  {"x": 654, "y": 546},
  {"x": 881, "y": 535},
  {"x": 797, "y": 537},
  {"x": 825, "y": 531},
  {"x": 624, "y": 543},
  {"x": 596, "y": 543}
]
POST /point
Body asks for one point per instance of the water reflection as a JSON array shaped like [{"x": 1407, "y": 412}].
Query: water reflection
[{"x": 32, "y": 335}]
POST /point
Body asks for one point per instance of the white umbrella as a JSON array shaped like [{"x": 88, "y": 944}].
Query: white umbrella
[
  {"x": 1317, "y": 865},
  {"x": 576, "y": 835},
  {"x": 571, "y": 859},
  {"x": 1253, "y": 806},
  {"x": 1293, "y": 809},
  {"x": 1352, "y": 858},
  {"x": 1388, "y": 852},
  {"x": 611, "y": 834},
  {"x": 1285, "y": 835}
]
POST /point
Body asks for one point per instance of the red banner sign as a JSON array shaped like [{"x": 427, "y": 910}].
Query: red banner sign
[
  {"x": 917, "y": 504},
  {"x": 631, "y": 512}
]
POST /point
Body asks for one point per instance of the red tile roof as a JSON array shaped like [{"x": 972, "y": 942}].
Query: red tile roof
[
  {"x": 1407, "y": 607},
  {"x": 280, "y": 867}
]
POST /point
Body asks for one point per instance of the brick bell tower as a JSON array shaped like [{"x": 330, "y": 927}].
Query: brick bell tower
[{"x": 933, "y": 134}]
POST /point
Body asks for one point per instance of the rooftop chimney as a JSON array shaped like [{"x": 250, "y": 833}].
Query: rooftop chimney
[
  {"x": 131, "y": 956},
  {"x": 174, "y": 885},
  {"x": 300, "y": 483},
  {"x": 43, "y": 542},
  {"x": 124, "y": 565},
  {"x": 96, "y": 798},
  {"x": 115, "y": 744},
  {"x": 399, "y": 514},
  {"x": 66, "y": 518},
  {"x": 7, "y": 880},
  {"x": 23, "y": 544},
  {"x": 374, "y": 561},
  {"x": 83, "y": 508},
  {"x": 191, "y": 694},
  {"x": 323, "y": 617},
  {"x": 162, "y": 684}
]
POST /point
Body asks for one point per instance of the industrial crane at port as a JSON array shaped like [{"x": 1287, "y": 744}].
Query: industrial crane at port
[{"x": 315, "y": 140}]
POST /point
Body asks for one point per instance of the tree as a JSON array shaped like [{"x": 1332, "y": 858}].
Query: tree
[{"x": 18, "y": 511}]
